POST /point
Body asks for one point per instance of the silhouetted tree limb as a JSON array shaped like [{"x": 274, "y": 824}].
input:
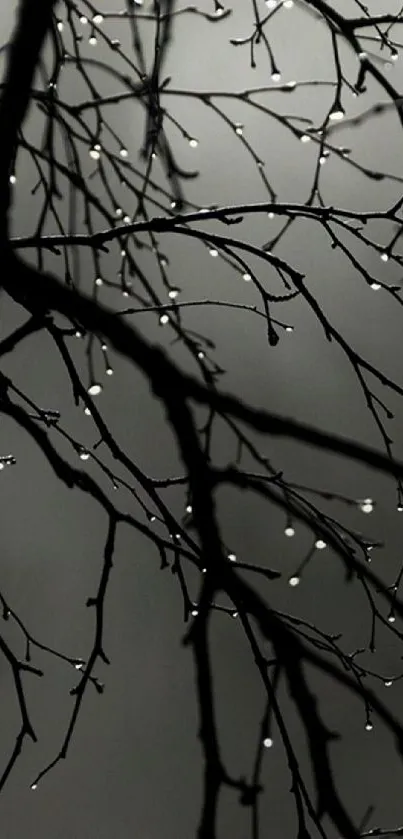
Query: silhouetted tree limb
[{"x": 32, "y": 76}]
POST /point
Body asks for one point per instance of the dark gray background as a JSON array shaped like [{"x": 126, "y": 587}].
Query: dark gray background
[{"x": 134, "y": 767}]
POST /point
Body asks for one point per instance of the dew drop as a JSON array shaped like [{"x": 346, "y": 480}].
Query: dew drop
[
  {"x": 337, "y": 114},
  {"x": 294, "y": 581},
  {"x": 320, "y": 544},
  {"x": 94, "y": 389},
  {"x": 367, "y": 505}
]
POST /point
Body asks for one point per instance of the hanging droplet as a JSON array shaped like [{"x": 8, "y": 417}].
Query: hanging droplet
[
  {"x": 388, "y": 683},
  {"x": 194, "y": 612},
  {"x": 234, "y": 614},
  {"x": 267, "y": 742},
  {"x": 109, "y": 371},
  {"x": 34, "y": 786},
  {"x": 276, "y": 76},
  {"x": 320, "y": 544},
  {"x": 173, "y": 293},
  {"x": 247, "y": 277},
  {"x": 94, "y": 389},
  {"x": 384, "y": 256},
  {"x": 60, "y": 25},
  {"x": 94, "y": 153},
  {"x": 126, "y": 219},
  {"x": 337, "y": 114},
  {"x": 270, "y": 215},
  {"x": 200, "y": 354},
  {"x": 164, "y": 319},
  {"x": 368, "y": 726},
  {"x": 289, "y": 531},
  {"x": 12, "y": 179},
  {"x": 84, "y": 455},
  {"x": 98, "y": 19},
  {"x": 399, "y": 508},
  {"x": 189, "y": 508},
  {"x": 305, "y": 138},
  {"x": 367, "y": 505},
  {"x": 232, "y": 557},
  {"x": 213, "y": 251},
  {"x": 219, "y": 9},
  {"x": 294, "y": 581},
  {"x": 83, "y": 20},
  {"x": 375, "y": 286},
  {"x": 289, "y": 329},
  {"x": 239, "y": 129},
  {"x": 87, "y": 411},
  {"x": 391, "y": 618},
  {"x": 124, "y": 152},
  {"x": 193, "y": 143},
  {"x": 92, "y": 40},
  {"x": 99, "y": 281}
]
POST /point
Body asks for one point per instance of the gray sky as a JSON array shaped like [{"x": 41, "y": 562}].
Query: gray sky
[{"x": 134, "y": 767}]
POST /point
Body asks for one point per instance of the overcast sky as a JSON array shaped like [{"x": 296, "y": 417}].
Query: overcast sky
[{"x": 134, "y": 767}]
